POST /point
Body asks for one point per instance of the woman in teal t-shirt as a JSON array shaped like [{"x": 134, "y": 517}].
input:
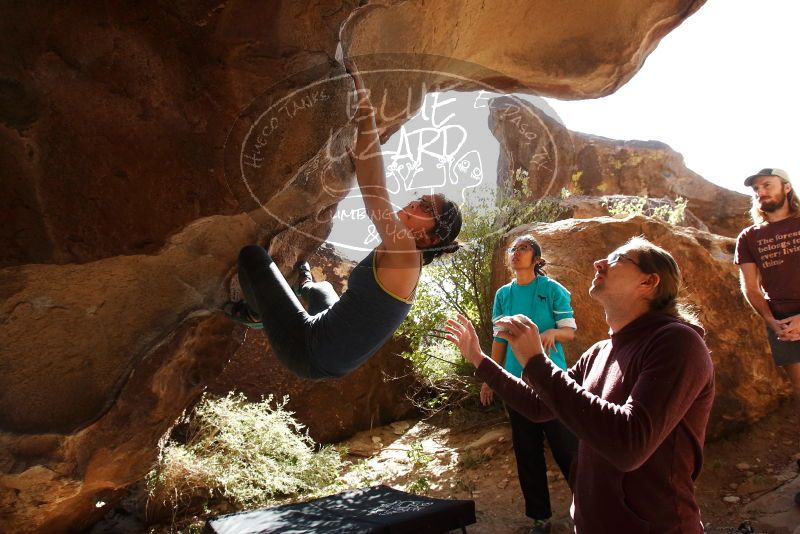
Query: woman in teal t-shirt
[{"x": 546, "y": 303}]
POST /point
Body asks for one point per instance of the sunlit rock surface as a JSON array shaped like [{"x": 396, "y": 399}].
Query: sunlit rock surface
[{"x": 568, "y": 49}]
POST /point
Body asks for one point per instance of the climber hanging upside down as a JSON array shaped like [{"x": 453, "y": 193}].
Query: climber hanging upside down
[{"x": 338, "y": 334}]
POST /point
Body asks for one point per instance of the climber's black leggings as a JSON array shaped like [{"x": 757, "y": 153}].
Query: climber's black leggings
[{"x": 286, "y": 322}]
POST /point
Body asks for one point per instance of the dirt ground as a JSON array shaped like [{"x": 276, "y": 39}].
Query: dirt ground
[{"x": 752, "y": 476}]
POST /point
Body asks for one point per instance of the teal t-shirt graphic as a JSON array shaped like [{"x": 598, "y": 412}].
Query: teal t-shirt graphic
[{"x": 545, "y": 302}]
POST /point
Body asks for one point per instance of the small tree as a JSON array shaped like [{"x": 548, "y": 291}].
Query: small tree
[{"x": 462, "y": 282}]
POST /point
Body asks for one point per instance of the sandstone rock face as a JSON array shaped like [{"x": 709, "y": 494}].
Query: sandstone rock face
[
  {"x": 373, "y": 395},
  {"x": 569, "y": 49},
  {"x": 557, "y": 158},
  {"x": 116, "y": 120},
  {"x": 80, "y": 331},
  {"x": 142, "y": 146},
  {"x": 104, "y": 358},
  {"x": 748, "y": 385}
]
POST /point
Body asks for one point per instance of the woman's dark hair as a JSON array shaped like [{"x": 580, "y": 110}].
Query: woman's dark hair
[
  {"x": 538, "y": 267},
  {"x": 448, "y": 226}
]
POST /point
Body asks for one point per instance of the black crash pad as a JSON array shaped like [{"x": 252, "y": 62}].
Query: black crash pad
[{"x": 379, "y": 509}]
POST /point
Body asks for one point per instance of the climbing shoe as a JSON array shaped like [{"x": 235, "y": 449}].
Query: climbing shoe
[
  {"x": 235, "y": 289},
  {"x": 240, "y": 312},
  {"x": 303, "y": 276},
  {"x": 540, "y": 526}
]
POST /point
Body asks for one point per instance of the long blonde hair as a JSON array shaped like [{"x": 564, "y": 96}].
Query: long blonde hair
[{"x": 759, "y": 216}]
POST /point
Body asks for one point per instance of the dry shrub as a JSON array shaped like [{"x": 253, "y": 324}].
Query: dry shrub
[{"x": 238, "y": 454}]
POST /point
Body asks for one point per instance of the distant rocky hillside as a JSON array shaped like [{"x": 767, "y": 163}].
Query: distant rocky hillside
[{"x": 557, "y": 158}]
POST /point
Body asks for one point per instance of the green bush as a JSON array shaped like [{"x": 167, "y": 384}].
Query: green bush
[
  {"x": 670, "y": 213},
  {"x": 462, "y": 283},
  {"x": 420, "y": 486},
  {"x": 417, "y": 455},
  {"x": 239, "y": 454},
  {"x": 628, "y": 206}
]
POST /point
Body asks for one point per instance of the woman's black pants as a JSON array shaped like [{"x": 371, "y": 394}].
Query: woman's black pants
[
  {"x": 528, "y": 439},
  {"x": 286, "y": 322}
]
